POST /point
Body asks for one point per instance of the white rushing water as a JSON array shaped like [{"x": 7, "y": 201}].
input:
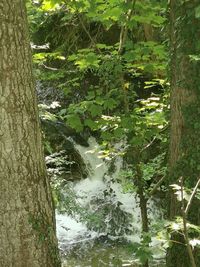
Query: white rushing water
[{"x": 70, "y": 230}]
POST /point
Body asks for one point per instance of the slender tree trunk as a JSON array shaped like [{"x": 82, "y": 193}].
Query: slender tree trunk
[
  {"x": 27, "y": 224},
  {"x": 185, "y": 102},
  {"x": 148, "y": 32},
  {"x": 143, "y": 205}
]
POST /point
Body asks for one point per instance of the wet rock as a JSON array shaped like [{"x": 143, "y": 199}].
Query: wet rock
[
  {"x": 58, "y": 133},
  {"x": 62, "y": 158}
]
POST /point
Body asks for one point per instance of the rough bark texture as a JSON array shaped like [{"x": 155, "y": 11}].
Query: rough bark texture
[
  {"x": 180, "y": 96},
  {"x": 184, "y": 95},
  {"x": 185, "y": 102},
  {"x": 144, "y": 213},
  {"x": 27, "y": 225}
]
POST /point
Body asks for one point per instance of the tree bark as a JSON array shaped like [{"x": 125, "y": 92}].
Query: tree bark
[
  {"x": 27, "y": 224},
  {"x": 184, "y": 95},
  {"x": 185, "y": 102},
  {"x": 143, "y": 205},
  {"x": 148, "y": 32}
]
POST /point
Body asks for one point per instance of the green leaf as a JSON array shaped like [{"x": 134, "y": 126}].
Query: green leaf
[
  {"x": 63, "y": 112},
  {"x": 144, "y": 254},
  {"x": 90, "y": 123},
  {"x": 112, "y": 13},
  {"x": 50, "y": 5},
  {"x": 110, "y": 104},
  {"x": 137, "y": 141},
  {"x": 142, "y": 19},
  {"x": 118, "y": 133},
  {"x": 197, "y": 12},
  {"x": 128, "y": 123},
  {"x": 194, "y": 57},
  {"x": 75, "y": 122},
  {"x": 106, "y": 136},
  {"x": 72, "y": 57},
  {"x": 86, "y": 59},
  {"x": 95, "y": 110}
]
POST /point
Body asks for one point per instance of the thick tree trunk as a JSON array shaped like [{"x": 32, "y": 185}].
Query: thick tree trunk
[
  {"x": 185, "y": 98},
  {"x": 185, "y": 102},
  {"x": 180, "y": 96},
  {"x": 27, "y": 224}
]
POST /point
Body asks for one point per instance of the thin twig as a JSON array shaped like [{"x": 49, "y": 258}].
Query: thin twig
[
  {"x": 185, "y": 230},
  {"x": 192, "y": 197},
  {"x": 177, "y": 242},
  {"x": 154, "y": 189},
  {"x": 88, "y": 33},
  {"x": 149, "y": 144},
  {"x": 124, "y": 30},
  {"x": 49, "y": 68}
]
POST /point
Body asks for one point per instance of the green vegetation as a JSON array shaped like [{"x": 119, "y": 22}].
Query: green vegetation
[{"x": 103, "y": 70}]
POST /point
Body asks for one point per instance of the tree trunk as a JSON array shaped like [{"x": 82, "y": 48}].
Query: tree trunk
[
  {"x": 148, "y": 32},
  {"x": 143, "y": 205},
  {"x": 185, "y": 101},
  {"x": 27, "y": 224}
]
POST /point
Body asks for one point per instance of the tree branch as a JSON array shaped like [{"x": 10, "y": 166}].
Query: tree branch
[
  {"x": 154, "y": 189},
  {"x": 87, "y": 32},
  {"x": 185, "y": 230},
  {"x": 192, "y": 197},
  {"x": 124, "y": 29}
]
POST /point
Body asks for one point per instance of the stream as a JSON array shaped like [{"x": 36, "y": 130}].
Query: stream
[{"x": 106, "y": 220}]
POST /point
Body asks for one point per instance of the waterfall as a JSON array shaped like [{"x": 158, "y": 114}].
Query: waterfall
[
  {"x": 93, "y": 193},
  {"x": 69, "y": 229},
  {"x": 97, "y": 167}
]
